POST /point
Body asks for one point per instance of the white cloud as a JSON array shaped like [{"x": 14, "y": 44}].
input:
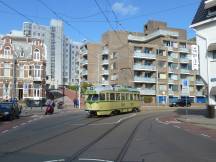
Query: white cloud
[{"x": 124, "y": 9}]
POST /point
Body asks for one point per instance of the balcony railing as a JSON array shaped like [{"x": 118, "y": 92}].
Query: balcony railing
[
  {"x": 144, "y": 55},
  {"x": 171, "y": 92},
  {"x": 104, "y": 62},
  {"x": 172, "y": 70},
  {"x": 144, "y": 67},
  {"x": 105, "y": 72},
  {"x": 84, "y": 72},
  {"x": 37, "y": 79},
  {"x": 84, "y": 52},
  {"x": 184, "y": 49},
  {"x": 85, "y": 62},
  {"x": 199, "y": 93},
  {"x": 185, "y": 71},
  {"x": 144, "y": 79},
  {"x": 199, "y": 82},
  {"x": 184, "y": 60},
  {"x": 147, "y": 91},
  {"x": 105, "y": 52},
  {"x": 105, "y": 82}
]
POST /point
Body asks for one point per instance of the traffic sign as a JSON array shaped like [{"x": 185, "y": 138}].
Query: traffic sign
[{"x": 185, "y": 87}]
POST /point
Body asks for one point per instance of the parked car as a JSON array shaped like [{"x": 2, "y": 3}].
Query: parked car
[
  {"x": 9, "y": 110},
  {"x": 180, "y": 102}
]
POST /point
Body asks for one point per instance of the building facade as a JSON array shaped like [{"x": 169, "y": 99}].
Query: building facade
[
  {"x": 204, "y": 24},
  {"x": 22, "y": 68},
  {"x": 54, "y": 39},
  {"x": 155, "y": 61}
]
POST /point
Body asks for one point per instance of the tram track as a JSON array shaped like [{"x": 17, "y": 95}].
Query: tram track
[
  {"x": 48, "y": 138},
  {"x": 124, "y": 149}
]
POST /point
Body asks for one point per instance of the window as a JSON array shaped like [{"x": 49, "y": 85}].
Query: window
[
  {"x": 36, "y": 55},
  {"x": 214, "y": 55},
  {"x": 162, "y": 76},
  {"x": 30, "y": 70},
  {"x": 36, "y": 90},
  {"x": 7, "y": 70},
  {"x": 112, "y": 96},
  {"x": 37, "y": 71},
  {"x": 22, "y": 53},
  {"x": 123, "y": 96},
  {"x": 7, "y": 52},
  {"x": 162, "y": 87},
  {"x": 131, "y": 97},
  {"x": 102, "y": 96},
  {"x": 21, "y": 71},
  {"x": 117, "y": 96}
]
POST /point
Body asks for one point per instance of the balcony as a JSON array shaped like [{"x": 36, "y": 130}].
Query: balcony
[
  {"x": 183, "y": 49},
  {"x": 105, "y": 72},
  {"x": 144, "y": 55},
  {"x": 105, "y": 62},
  {"x": 171, "y": 81},
  {"x": 169, "y": 48},
  {"x": 144, "y": 67},
  {"x": 199, "y": 82},
  {"x": 184, "y": 60},
  {"x": 105, "y": 82},
  {"x": 171, "y": 92},
  {"x": 171, "y": 59},
  {"x": 84, "y": 72},
  {"x": 105, "y": 52},
  {"x": 172, "y": 70},
  {"x": 37, "y": 79},
  {"x": 185, "y": 71},
  {"x": 147, "y": 91},
  {"x": 199, "y": 93},
  {"x": 144, "y": 79},
  {"x": 84, "y": 52},
  {"x": 6, "y": 57},
  {"x": 84, "y": 62}
]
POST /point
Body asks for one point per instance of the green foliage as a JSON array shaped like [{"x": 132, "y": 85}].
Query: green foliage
[
  {"x": 73, "y": 87},
  {"x": 84, "y": 86},
  {"x": 148, "y": 99}
]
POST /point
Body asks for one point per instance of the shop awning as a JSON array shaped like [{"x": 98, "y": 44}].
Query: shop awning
[
  {"x": 212, "y": 47},
  {"x": 213, "y": 91}
]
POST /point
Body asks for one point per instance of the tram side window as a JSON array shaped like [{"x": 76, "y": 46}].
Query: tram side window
[
  {"x": 117, "y": 96},
  {"x": 107, "y": 96},
  {"x": 127, "y": 96},
  {"x": 131, "y": 97},
  {"x": 112, "y": 96},
  {"x": 123, "y": 96},
  {"x": 102, "y": 96}
]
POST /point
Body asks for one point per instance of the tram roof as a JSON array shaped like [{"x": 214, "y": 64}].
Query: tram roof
[{"x": 99, "y": 89}]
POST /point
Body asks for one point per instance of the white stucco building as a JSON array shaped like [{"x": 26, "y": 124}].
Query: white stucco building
[{"x": 204, "y": 23}]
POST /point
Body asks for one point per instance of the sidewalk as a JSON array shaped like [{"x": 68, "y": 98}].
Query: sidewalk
[
  {"x": 28, "y": 111},
  {"x": 199, "y": 120}
]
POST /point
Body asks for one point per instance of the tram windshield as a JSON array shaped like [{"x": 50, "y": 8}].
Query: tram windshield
[{"x": 93, "y": 97}]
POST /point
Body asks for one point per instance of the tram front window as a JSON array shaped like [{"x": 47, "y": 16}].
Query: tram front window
[{"x": 93, "y": 97}]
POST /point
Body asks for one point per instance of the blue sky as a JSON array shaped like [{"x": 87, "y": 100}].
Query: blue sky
[{"x": 87, "y": 22}]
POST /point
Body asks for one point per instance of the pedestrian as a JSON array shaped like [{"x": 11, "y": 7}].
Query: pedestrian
[{"x": 75, "y": 102}]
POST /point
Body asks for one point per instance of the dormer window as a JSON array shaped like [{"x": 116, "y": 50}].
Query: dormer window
[
  {"x": 36, "y": 55},
  {"x": 7, "y": 52}
]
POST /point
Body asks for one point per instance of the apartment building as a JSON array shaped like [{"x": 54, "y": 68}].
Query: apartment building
[
  {"x": 154, "y": 61},
  {"x": 89, "y": 62},
  {"x": 54, "y": 39},
  {"x": 22, "y": 67}
]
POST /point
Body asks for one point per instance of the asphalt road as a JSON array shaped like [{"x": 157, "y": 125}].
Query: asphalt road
[{"x": 128, "y": 138}]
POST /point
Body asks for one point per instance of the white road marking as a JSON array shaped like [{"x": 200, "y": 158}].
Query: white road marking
[
  {"x": 86, "y": 159},
  {"x": 5, "y": 131},
  {"x": 120, "y": 120},
  {"x": 205, "y": 135},
  {"x": 30, "y": 121},
  {"x": 176, "y": 126},
  {"x": 60, "y": 160},
  {"x": 161, "y": 121},
  {"x": 23, "y": 124},
  {"x": 14, "y": 127},
  {"x": 174, "y": 122}
]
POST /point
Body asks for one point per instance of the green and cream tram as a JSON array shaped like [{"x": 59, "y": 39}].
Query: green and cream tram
[{"x": 108, "y": 100}]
